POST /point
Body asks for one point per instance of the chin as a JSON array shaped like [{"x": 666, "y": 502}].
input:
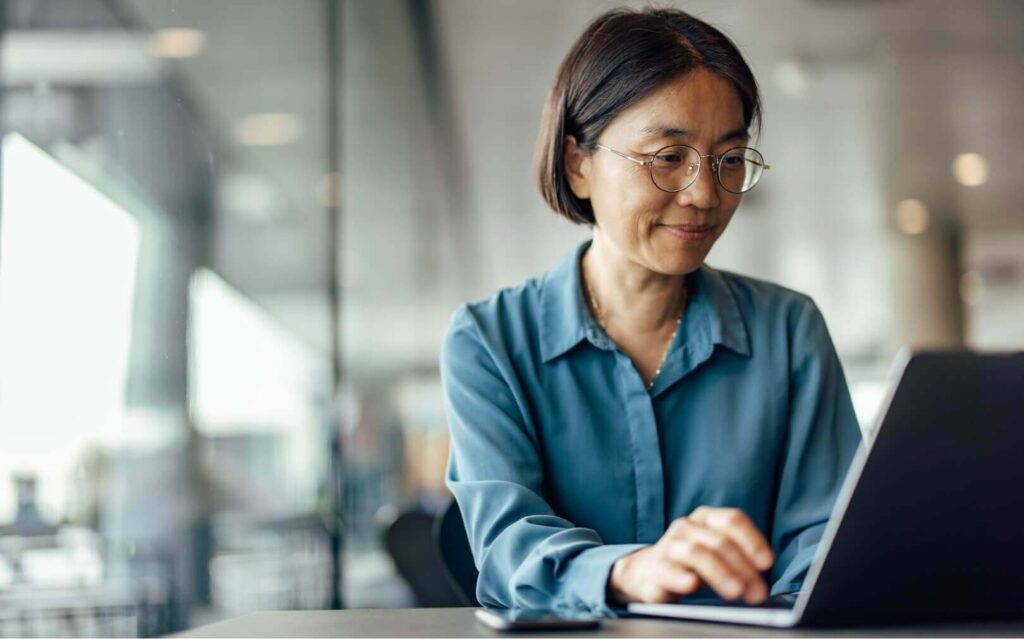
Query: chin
[
  {"x": 679, "y": 256},
  {"x": 681, "y": 264}
]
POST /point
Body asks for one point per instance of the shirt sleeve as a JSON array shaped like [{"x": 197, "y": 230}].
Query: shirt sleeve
[
  {"x": 822, "y": 440},
  {"x": 528, "y": 556}
]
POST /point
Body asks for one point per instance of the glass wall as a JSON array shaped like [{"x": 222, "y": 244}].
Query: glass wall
[
  {"x": 232, "y": 233},
  {"x": 166, "y": 386}
]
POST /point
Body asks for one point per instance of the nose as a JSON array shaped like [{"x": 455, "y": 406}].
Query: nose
[{"x": 703, "y": 193}]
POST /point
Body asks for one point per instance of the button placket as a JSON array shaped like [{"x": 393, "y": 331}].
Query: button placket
[{"x": 646, "y": 452}]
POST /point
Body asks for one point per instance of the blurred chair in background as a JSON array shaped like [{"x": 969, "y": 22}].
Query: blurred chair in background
[
  {"x": 453, "y": 546},
  {"x": 410, "y": 543}
]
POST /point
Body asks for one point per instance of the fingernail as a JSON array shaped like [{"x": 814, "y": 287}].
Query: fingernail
[
  {"x": 764, "y": 559},
  {"x": 733, "y": 588}
]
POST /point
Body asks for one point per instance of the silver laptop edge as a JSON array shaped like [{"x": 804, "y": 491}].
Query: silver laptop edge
[
  {"x": 753, "y": 616},
  {"x": 782, "y": 618}
]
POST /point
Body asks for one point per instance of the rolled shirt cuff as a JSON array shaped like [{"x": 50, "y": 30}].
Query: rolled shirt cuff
[{"x": 587, "y": 579}]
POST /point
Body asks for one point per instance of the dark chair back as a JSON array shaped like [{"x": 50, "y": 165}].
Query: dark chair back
[
  {"x": 453, "y": 547},
  {"x": 410, "y": 542}
]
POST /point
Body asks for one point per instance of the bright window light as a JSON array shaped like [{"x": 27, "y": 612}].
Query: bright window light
[
  {"x": 248, "y": 376},
  {"x": 68, "y": 257}
]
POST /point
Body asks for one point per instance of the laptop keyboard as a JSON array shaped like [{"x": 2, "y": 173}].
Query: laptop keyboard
[{"x": 778, "y": 602}]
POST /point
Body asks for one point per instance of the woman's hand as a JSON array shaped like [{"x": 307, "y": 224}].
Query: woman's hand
[{"x": 720, "y": 547}]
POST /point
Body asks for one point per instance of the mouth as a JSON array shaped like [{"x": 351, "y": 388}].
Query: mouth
[{"x": 691, "y": 232}]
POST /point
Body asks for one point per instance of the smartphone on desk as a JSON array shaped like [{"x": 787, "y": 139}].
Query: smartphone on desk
[{"x": 511, "y": 620}]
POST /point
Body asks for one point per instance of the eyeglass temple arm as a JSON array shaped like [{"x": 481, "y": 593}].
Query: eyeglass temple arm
[
  {"x": 622, "y": 155},
  {"x": 645, "y": 163}
]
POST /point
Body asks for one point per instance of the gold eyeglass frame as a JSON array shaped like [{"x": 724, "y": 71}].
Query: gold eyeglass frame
[{"x": 715, "y": 165}]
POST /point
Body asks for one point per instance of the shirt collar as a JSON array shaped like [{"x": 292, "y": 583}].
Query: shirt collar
[
  {"x": 565, "y": 319},
  {"x": 722, "y": 314}
]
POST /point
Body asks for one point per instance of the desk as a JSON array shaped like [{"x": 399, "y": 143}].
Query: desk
[{"x": 459, "y": 622}]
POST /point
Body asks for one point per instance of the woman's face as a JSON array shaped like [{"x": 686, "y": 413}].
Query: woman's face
[{"x": 669, "y": 233}]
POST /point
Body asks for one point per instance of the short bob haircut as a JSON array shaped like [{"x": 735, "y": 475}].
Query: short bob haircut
[{"x": 619, "y": 59}]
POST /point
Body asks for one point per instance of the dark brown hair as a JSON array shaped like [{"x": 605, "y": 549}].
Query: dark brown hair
[{"x": 621, "y": 57}]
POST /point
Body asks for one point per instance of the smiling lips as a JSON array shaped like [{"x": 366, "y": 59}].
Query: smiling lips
[{"x": 690, "y": 231}]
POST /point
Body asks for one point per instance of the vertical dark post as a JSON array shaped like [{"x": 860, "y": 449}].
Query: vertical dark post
[
  {"x": 3, "y": 96},
  {"x": 333, "y": 202},
  {"x": 447, "y": 141}
]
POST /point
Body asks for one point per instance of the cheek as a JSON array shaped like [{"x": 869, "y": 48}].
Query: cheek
[
  {"x": 625, "y": 201},
  {"x": 634, "y": 219},
  {"x": 729, "y": 203}
]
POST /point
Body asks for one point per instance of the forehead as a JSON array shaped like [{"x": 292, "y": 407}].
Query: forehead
[{"x": 702, "y": 103}]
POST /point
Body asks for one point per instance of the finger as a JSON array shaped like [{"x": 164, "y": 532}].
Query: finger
[
  {"x": 714, "y": 571},
  {"x": 668, "y": 583},
  {"x": 735, "y": 523},
  {"x": 756, "y": 591},
  {"x": 677, "y": 581}
]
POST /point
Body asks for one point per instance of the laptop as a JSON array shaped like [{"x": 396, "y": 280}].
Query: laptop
[{"x": 929, "y": 523}]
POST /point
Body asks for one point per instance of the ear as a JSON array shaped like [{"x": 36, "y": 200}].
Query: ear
[{"x": 577, "y": 167}]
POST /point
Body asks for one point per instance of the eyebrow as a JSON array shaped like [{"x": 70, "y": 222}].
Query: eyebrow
[{"x": 663, "y": 131}]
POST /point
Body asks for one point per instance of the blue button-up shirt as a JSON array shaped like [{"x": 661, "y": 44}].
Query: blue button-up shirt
[{"x": 562, "y": 461}]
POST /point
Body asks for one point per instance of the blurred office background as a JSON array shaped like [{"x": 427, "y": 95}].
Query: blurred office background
[{"x": 233, "y": 231}]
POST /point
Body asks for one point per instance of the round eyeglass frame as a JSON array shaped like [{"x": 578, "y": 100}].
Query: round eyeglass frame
[{"x": 715, "y": 165}]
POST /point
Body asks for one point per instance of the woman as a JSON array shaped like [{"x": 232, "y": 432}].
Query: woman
[{"x": 634, "y": 425}]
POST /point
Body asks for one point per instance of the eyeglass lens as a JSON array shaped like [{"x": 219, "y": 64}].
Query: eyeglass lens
[{"x": 674, "y": 168}]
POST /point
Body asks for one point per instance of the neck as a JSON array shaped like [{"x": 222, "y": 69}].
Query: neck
[{"x": 631, "y": 296}]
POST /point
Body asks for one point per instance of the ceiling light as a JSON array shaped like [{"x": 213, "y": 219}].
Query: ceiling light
[
  {"x": 269, "y": 129},
  {"x": 101, "y": 57},
  {"x": 912, "y": 216},
  {"x": 176, "y": 43},
  {"x": 970, "y": 169}
]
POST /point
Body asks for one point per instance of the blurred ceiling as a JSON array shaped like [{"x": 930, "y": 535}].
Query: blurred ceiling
[{"x": 900, "y": 86}]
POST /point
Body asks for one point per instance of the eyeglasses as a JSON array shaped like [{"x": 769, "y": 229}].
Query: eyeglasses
[{"x": 674, "y": 168}]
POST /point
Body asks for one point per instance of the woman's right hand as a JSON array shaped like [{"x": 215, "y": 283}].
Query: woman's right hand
[{"x": 719, "y": 547}]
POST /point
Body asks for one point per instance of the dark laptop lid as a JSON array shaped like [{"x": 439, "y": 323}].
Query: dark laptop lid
[{"x": 934, "y": 526}]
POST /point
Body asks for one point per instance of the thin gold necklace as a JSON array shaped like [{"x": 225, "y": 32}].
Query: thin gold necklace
[{"x": 599, "y": 316}]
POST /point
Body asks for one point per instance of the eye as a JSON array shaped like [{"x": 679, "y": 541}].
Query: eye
[
  {"x": 668, "y": 159},
  {"x": 732, "y": 162}
]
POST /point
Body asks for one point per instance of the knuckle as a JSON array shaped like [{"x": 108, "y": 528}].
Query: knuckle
[
  {"x": 662, "y": 551},
  {"x": 734, "y": 516},
  {"x": 667, "y": 553},
  {"x": 699, "y": 552},
  {"x": 718, "y": 544}
]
